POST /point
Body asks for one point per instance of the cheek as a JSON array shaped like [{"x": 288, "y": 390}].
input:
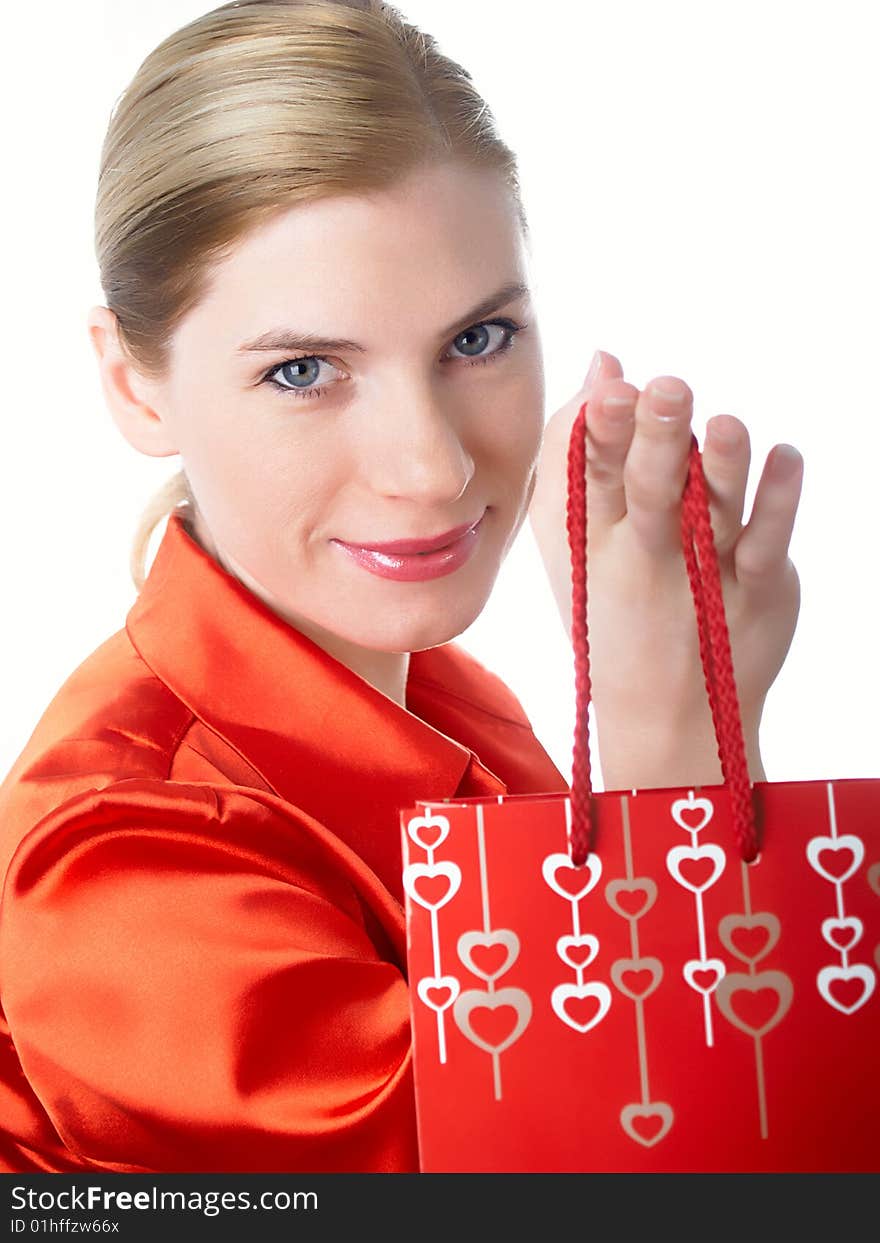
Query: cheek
[
  {"x": 516, "y": 429},
  {"x": 237, "y": 455}
]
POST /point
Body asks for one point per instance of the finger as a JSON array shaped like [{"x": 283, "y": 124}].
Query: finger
[
  {"x": 547, "y": 508},
  {"x": 610, "y": 423},
  {"x": 657, "y": 463},
  {"x": 603, "y": 366},
  {"x": 557, "y": 431},
  {"x": 762, "y": 548},
  {"x": 726, "y": 458}
]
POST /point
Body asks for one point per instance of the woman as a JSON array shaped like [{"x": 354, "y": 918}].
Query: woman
[{"x": 315, "y": 260}]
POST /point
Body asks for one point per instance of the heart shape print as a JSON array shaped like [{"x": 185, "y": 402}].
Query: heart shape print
[
  {"x": 836, "y": 858},
  {"x": 581, "y": 1006},
  {"x": 692, "y": 814},
  {"x": 568, "y": 881},
  {"x": 842, "y": 934},
  {"x": 704, "y": 975},
  {"x": 749, "y": 937},
  {"x": 754, "y": 1003},
  {"x": 631, "y": 899},
  {"x": 696, "y": 867},
  {"x": 847, "y": 988},
  {"x": 493, "y": 1021},
  {"x": 874, "y": 877},
  {"x": 578, "y": 951},
  {"x": 428, "y": 831},
  {"x": 438, "y": 992},
  {"x": 647, "y": 1124},
  {"x": 489, "y": 954},
  {"x": 432, "y": 884},
  {"x": 637, "y": 978}
]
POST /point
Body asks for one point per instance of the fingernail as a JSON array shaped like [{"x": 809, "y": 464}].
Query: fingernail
[
  {"x": 786, "y": 460},
  {"x": 725, "y": 435},
  {"x": 670, "y": 391},
  {"x": 619, "y": 409},
  {"x": 595, "y": 368}
]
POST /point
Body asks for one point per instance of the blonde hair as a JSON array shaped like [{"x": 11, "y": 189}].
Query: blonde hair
[{"x": 245, "y": 112}]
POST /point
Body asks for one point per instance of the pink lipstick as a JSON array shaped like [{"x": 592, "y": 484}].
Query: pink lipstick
[{"x": 417, "y": 559}]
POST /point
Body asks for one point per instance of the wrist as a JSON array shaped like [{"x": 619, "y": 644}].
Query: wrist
[{"x": 642, "y": 754}]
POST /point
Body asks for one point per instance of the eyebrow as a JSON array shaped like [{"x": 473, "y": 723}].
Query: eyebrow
[{"x": 289, "y": 339}]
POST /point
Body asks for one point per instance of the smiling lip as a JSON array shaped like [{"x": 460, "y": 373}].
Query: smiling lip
[
  {"x": 407, "y": 546},
  {"x": 412, "y": 567}
]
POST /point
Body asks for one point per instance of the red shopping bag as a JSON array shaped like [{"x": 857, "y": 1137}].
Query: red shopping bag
[{"x": 671, "y": 980}]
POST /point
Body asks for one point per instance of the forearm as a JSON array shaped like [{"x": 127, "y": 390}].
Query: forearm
[{"x": 641, "y": 754}]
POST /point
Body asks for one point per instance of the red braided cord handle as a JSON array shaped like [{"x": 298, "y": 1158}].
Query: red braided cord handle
[{"x": 705, "y": 581}]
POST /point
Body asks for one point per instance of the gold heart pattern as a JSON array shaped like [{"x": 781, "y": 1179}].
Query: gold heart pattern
[
  {"x": 754, "y": 1003},
  {"x": 493, "y": 1032},
  {"x": 749, "y": 937},
  {"x": 874, "y": 877},
  {"x": 637, "y": 978},
  {"x": 631, "y": 899},
  {"x": 647, "y": 1124},
  {"x": 489, "y": 954}
]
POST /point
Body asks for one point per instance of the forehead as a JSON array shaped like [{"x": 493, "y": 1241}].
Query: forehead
[{"x": 435, "y": 243}]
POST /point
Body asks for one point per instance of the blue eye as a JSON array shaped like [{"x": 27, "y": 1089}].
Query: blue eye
[{"x": 312, "y": 362}]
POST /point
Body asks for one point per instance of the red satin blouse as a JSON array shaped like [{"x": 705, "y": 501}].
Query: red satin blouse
[{"x": 202, "y": 936}]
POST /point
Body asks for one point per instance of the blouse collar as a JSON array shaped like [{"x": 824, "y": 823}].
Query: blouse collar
[{"x": 316, "y": 730}]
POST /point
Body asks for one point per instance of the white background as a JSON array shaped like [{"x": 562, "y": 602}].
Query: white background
[{"x": 701, "y": 180}]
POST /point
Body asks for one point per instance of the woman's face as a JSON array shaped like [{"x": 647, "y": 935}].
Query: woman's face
[{"x": 419, "y": 422}]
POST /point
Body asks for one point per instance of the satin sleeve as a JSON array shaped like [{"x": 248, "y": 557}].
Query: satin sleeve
[{"x": 190, "y": 985}]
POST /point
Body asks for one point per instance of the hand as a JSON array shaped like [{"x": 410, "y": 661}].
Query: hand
[{"x": 648, "y": 687}]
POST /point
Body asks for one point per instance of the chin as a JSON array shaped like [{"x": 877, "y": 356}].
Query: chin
[{"x": 415, "y": 634}]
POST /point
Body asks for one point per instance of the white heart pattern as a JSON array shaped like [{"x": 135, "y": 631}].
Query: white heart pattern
[
  {"x": 829, "y": 976},
  {"x": 562, "y": 863},
  {"x": 414, "y": 872},
  {"x": 833, "y": 928},
  {"x": 415, "y": 826},
  {"x": 694, "y": 854},
  {"x": 846, "y": 841},
  {"x": 695, "y": 966},
  {"x": 587, "y": 941},
  {"x": 431, "y": 982},
  {"x": 682, "y": 805},
  {"x": 564, "y": 993}
]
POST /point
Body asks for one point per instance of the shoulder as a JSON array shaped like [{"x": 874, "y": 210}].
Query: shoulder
[
  {"x": 111, "y": 713},
  {"x": 111, "y": 718},
  {"x": 147, "y": 830}
]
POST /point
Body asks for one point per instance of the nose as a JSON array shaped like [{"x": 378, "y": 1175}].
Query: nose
[{"x": 416, "y": 451}]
